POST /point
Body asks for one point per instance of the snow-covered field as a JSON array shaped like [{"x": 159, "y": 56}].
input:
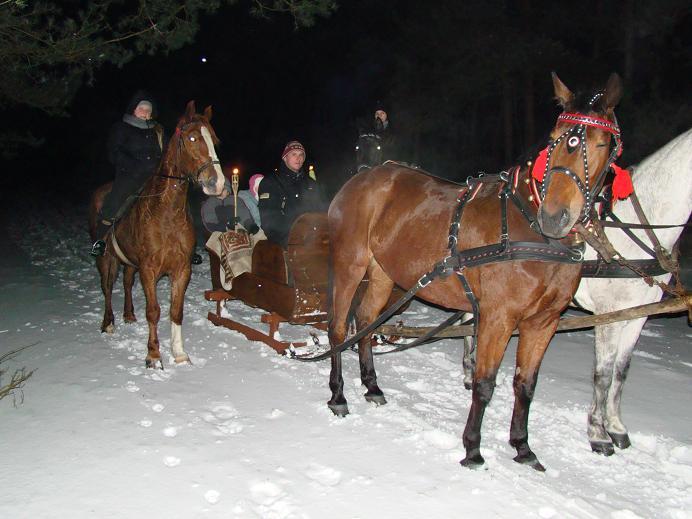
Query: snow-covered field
[{"x": 243, "y": 432}]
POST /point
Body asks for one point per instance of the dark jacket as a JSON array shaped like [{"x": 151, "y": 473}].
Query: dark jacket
[
  {"x": 135, "y": 147},
  {"x": 285, "y": 195}
]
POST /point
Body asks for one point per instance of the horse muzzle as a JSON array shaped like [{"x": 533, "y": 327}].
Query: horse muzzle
[{"x": 557, "y": 224}]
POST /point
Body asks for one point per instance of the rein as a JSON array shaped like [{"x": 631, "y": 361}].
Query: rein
[{"x": 662, "y": 262}]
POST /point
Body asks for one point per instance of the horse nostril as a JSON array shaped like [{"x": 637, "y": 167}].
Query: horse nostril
[{"x": 564, "y": 217}]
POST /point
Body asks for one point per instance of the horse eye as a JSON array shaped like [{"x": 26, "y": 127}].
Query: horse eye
[
  {"x": 192, "y": 138},
  {"x": 601, "y": 145}
]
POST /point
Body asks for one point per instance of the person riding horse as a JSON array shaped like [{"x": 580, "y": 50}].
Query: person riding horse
[
  {"x": 288, "y": 193},
  {"x": 375, "y": 142},
  {"x": 135, "y": 147}
]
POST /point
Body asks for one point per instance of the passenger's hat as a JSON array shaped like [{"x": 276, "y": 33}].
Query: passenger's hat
[{"x": 293, "y": 145}]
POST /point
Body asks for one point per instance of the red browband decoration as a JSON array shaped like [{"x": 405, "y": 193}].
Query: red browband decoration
[{"x": 596, "y": 122}]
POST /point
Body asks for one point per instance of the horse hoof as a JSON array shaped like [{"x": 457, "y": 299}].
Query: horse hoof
[
  {"x": 129, "y": 318},
  {"x": 468, "y": 385},
  {"x": 154, "y": 363},
  {"x": 473, "y": 462},
  {"x": 109, "y": 329},
  {"x": 621, "y": 441},
  {"x": 377, "y": 399},
  {"x": 339, "y": 409},
  {"x": 531, "y": 460},
  {"x": 180, "y": 359},
  {"x": 603, "y": 448}
]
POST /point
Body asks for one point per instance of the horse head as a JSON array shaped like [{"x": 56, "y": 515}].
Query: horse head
[
  {"x": 368, "y": 150},
  {"x": 195, "y": 155},
  {"x": 570, "y": 171}
]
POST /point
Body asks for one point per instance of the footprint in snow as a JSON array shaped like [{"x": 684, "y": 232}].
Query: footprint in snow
[
  {"x": 323, "y": 475},
  {"x": 171, "y": 461},
  {"x": 222, "y": 417},
  {"x": 271, "y": 499}
]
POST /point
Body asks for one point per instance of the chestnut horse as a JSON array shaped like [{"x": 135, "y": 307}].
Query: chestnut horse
[
  {"x": 393, "y": 223},
  {"x": 156, "y": 237}
]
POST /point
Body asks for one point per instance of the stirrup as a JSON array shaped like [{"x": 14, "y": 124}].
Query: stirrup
[{"x": 98, "y": 248}]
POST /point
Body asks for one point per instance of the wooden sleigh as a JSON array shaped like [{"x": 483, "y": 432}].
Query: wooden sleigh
[{"x": 289, "y": 284}]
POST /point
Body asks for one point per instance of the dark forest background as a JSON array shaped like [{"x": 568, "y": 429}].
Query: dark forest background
[{"x": 466, "y": 84}]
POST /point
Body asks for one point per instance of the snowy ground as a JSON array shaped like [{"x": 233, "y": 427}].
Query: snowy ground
[{"x": 244, "y": 432}]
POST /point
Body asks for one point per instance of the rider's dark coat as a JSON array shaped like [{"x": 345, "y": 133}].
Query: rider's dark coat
[
  {"x": 135, "y": 148},
  {"x": 285, "y": 195}
]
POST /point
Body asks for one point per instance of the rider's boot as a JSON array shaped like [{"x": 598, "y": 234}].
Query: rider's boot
[{"x": 98, "y": 248}]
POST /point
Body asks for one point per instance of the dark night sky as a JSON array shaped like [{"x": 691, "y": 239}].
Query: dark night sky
[{"x": 269, "y": 83}]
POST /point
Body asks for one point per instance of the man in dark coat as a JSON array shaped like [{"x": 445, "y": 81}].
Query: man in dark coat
[
  {"x": 135, "y": 147},
  {"x": 288, "y": 193}
]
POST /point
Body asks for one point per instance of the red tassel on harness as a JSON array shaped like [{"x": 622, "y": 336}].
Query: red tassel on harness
[
  {"x": 622, "y": 185},
  {"x": 540, "y": 164}
]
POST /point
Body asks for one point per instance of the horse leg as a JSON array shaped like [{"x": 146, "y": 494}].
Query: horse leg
[
  {"x": 375, "y": 298},
  {"x": 469, "y": 360},
  {"x": 128, "y": 283},
  {"x": 108, "y": 269},
  {"x": 534, "y": 336},
  {"x": 494, "y": 331},
  {"x": 148, "y": 281},
  {"x": 179, "y": 282},
  {"x": 347, "y": 276},
  {"x": 606, "y": 342},
  {"x": 628, "y": 339}
]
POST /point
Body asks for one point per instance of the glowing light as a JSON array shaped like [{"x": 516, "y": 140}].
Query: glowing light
[
  {"x": 204, "y": 60},
  {"x": 236, "y": 171}
]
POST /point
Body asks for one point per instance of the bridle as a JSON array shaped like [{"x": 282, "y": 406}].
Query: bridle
[
  {"x": 367, "y": 137},
  {"x": 576, "y": 138},
  {"x": 180, "y": 146}
]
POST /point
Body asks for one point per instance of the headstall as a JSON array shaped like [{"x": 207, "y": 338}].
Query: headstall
[{"x": 575, "y": 138}]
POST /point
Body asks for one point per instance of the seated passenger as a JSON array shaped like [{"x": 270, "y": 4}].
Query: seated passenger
[
  {"x": 218, "y": 211},
  {"x": 287, "y": 193}
]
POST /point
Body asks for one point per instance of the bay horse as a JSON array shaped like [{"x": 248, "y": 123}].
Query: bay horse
[
  {"x": 393, "y": 223},
  {"x": 156, "y": 236},
  {"x": 663, "y": 184}
]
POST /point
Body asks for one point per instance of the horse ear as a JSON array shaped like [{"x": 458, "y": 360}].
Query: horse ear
[
  {"x": 207, "y": 113},
  {"x": 563, "y": 94},
  {"x": 190, "y": 110},
  {"x": 613, "y": 91}
]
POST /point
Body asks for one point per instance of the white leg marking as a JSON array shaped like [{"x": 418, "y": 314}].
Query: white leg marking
[{"x": 179, "y": 354}]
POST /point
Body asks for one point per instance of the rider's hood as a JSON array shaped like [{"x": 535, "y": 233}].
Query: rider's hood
[{"x": 142, "y": 95}]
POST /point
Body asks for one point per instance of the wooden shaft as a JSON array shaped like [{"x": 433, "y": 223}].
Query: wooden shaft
[{"x": 677, "y": 304}]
